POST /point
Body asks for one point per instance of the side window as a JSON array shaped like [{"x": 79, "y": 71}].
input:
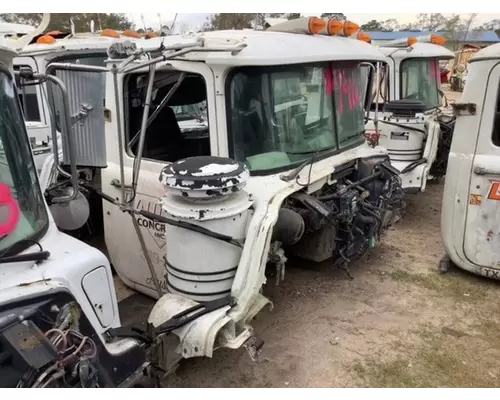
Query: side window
[
  {"x": 495, "y": 138},
  {"x": 180, "y": 127},
  {"x": 28, "y": 98}
]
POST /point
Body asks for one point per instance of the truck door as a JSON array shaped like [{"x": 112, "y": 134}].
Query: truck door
[
  {"x": 482, "y": 228},
  {"x": 185, "y": 126}
]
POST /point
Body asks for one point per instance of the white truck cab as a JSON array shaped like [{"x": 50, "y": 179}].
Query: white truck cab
[
  {"x": 283, "y": 168},
  {"x": 56, "y": 293},
  {"x": 411, "y": 123},
  {"x": 39, "y": 56},
  {"x": 470, "y": 211}
]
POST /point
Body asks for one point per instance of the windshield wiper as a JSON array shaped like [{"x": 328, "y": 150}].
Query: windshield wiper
[
  {"x": 36, "y": 256},
  {"x": 293, "y": 174}
]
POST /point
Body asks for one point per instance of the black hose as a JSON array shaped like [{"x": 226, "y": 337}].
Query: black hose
[
  {"x": 188, "y": 226},
  {"x": 403, "y": 126},
  {"x": 413, "y": 165},
  {"x": 352, "y": 186}
]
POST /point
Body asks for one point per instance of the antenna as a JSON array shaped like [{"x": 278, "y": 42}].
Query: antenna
[
  {"x": 159, "y": 19},
  {"x": 143, "y": 23},
  {"x": 173, "y": 23}
]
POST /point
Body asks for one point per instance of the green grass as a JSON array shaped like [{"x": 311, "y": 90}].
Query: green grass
[
  {"x": 432, "y": 359},
  {"x": 460, "y": 287}
]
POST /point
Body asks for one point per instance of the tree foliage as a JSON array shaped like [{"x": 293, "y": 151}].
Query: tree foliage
[
  {"x": 61, "y": 21},
  {"x": 372, "y": 26},
  {"x": 337, "y": 16}
]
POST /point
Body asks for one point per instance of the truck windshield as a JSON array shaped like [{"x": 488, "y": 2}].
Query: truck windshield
[
  {"x": 280, "y": 116},
  {"x": 18, "y": 171},
  {"x": 420, "y": 80}
]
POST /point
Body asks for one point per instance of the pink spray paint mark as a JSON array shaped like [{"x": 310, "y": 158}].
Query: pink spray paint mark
[
  {"x": 329, "y": 80},
  {"x": 13, "y": 214}
]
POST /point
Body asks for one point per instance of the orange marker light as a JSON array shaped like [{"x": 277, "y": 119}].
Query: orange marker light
[
  {"x": 364, "y": 37},
  {"x": 440, "y": 40},
  {"x": 151, "y": 35},
  {"x": 110, "y": 33},
  {"x": 350, "y": 28},
  {"x": 316, "y": 25},
  {"x": 46, "y": 39},
  {"x": 412, "y": 41},
  {"x": 132, "y": 34},
  {"x": 334, "y": 27}
]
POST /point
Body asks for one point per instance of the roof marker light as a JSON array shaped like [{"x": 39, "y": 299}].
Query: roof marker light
[
  {"x": 316, "y": 25},
  {"x": 350, "y": 28},
  {"x": 110, "y": 33},
  {"x": 440, "y": 40},
  {"x": 132, "y": 34},
  {"x": 334, "y": 27},
  {"x": 46, "y": 39},
  {"x": 364, "y": 37}
]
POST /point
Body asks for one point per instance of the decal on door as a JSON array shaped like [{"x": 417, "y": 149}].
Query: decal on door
[
  {"x": 155, "y": 229},
  {"x": 494, "y": 193}
]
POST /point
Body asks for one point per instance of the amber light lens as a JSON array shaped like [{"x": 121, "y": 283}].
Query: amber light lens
[
  {"x": 131, "y": 34},
  {"x": 316, "y": 25},
  {"x": 334, "y": 27},
  {"x": 364, "y": 37},
  {"x": 435, "y": 39},
  {"x": 350, "y": 28},
  {"x": 46, "y": 39},
  {"x": 110, "y": 33}
]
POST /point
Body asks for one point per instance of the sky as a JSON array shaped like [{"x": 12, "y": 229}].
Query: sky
[{"x": 196, "y": 20}]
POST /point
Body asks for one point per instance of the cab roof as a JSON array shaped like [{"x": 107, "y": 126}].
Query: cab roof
[
  {"x": 419, "y": 50},
  {"x": 488, "y": 53},
  {"x": 270, "y": 48},
  {"x": 77, "y": 42}
]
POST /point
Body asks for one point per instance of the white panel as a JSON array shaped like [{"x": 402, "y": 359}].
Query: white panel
[{"x": 96, "y": 286}]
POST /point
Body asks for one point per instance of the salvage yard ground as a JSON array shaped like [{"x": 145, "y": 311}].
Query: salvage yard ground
[{"x": 399, "y": 323}]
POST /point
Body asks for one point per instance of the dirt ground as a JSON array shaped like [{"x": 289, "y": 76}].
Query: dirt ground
[{"x": 399, "y": 323}]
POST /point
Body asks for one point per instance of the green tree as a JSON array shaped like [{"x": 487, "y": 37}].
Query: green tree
[
  {"x": 337, "y": 16},
  {"x": 372, "y": 26},
  {"x": 431, "y": 21},
  {"x": 390, "y": 25},
  {"x": 61, "y": 21},
  {"x": 224, "y": 21}
]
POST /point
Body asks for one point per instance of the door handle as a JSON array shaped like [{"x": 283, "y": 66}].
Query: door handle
[{"x": 486, "y": 171}]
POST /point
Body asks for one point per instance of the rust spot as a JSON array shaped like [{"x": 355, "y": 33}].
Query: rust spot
[
  {"x": 29, "y": 343},
  {"x": 33, "y": 283},
  {"x": 475, "y": 199},
  {"x": 489, "y": 236}
]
